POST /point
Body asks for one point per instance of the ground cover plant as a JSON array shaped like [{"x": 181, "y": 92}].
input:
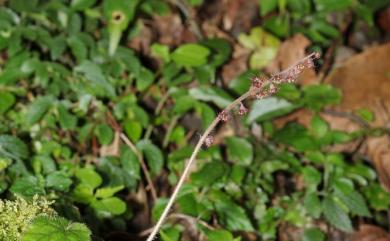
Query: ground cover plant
[{"x": 103, "y": 103}]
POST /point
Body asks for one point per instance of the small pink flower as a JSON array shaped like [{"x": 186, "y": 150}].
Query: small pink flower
[
  {"x": 209, "y": 140},
  {"x": 242, "y": 110},
  {"x": 272, "y": 88},
  {"x": 224, "y": 115},
  {"x": 258, "y": 82}
]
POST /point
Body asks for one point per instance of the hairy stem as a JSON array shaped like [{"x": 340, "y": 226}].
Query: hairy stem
[{"x": 287, "y": 75}]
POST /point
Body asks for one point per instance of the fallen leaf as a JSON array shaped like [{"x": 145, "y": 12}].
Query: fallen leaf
[
  {"x": 291, "y": 51},
  {"x": 113, "y": 149},
  {"x": 368, "y": 232}
]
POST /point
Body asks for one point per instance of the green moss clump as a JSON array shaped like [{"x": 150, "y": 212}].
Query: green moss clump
[{"x": 16, "y": 215}]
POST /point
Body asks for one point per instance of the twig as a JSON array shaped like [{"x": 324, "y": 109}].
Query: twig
[
  {"x": 260, "y": 88},
  {"x": 143, "y": 165}
]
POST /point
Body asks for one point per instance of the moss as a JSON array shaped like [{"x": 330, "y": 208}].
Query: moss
[{"x": 16, "y": 215}]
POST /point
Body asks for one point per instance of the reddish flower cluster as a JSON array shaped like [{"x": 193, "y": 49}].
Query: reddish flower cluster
[
  {"x": 242, "y": 110},
  {"x": 224, "y": 115},
  {"x": 262, "y": 87},
  {"x": 209, "y": 140}
]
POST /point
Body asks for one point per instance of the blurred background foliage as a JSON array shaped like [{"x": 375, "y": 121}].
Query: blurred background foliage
[{"x": 75, "y": 75}]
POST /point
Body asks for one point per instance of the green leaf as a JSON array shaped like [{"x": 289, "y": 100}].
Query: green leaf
[
  {"x": 191, "y": 55},
  {"x": 58, "y": 181},
  {"x": 378, "y": 198},
  {"x": 23, "y": 6},
  {"x": 313, "y": 205},
  {"x": 27, "y": 186},
  {"x": 355, "y": 202},
  {"x": 88, "y": 177},
  {"x": 217, "y": 96},
  {"x": 133, "y": 130},
  {"x": 311, "y": 176},
  {"x": 171, "y": 233},
  {"x": 145, "y": 79},
  {"x": 153, "y": 154},
  {"x": 209, "y": 173},
  {"x": 38, "y": 109},
  {"x": 269, "y": 108},
  {"x": 365, "y": 114},
  {"x": 297, "y": 136},
  {"x": 106, "y": 192},
  {"x": 83, "y": 193},
  {"x": 44, "y": 228},
  {"x": 161, "y": 51},
  {"x": 336, "y": 216},
  {"x": 222, "y": 49},
  {"x": 12, "y": 147},
  {"x": 313, "y": 234},
  {"x": 67, "y": 120},
  {"x": 158, "y": 208},
  {"x": 230, "y": 215},
  {"x": 332, "y": 5},
  {"x": 219, "y": 235},
  {"x": 318, "y": 127},
  {"x": 267, "y": 6},
  {"x": 93, "y": 73},
  {"x": 318, "y": 96},
  {"x": 104, "y": 134},
  {"x": 239, "y": 150},
  {"x": 108, "y": 207},
  {"x": 82, "y": 4},
  {"x": 7, "y": 100}
]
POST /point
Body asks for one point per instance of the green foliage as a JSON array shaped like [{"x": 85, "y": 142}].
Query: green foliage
[
  {"x": 16, "y": 216},
  {"x": 70, "y": 84},
  {"x": 55, "y": 228}
]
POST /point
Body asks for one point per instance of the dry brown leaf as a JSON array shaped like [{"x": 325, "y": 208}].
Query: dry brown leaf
[
  {"x": 368, "y": 232},
  {"x": 113, "y": 149},
  {"x": 291, "y": 51},
  {"x": 363, "y": 78},
  {"x": 378, "y": 148}
]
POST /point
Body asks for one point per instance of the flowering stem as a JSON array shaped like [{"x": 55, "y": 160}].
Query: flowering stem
[{"x": 257, "y": 89}]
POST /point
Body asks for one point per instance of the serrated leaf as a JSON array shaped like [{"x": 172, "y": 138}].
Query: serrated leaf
[
  {"x": 6, "y": 101},
  {"x": 153, "y": 154},
  {"x": 38, "y": 109},
  {"x": 94, "y": 75},
  {"x": 58, "y": 181},
  {"x": 313, "y": 205},
  {"x": 27, "y": 186},
  {"x": 44, "y": 228},
  {"x": 313, "y": 234},
  {"x": 209, "y": 173},
  {"x": 239, "y": 150},
  {"x": 231, "y": 215},
  {"x": 12, "y": 147},
  {"x": 104, "y": 134},
  {"x": 336, "y": 216},
  {"x": 355, "y": 202}
]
